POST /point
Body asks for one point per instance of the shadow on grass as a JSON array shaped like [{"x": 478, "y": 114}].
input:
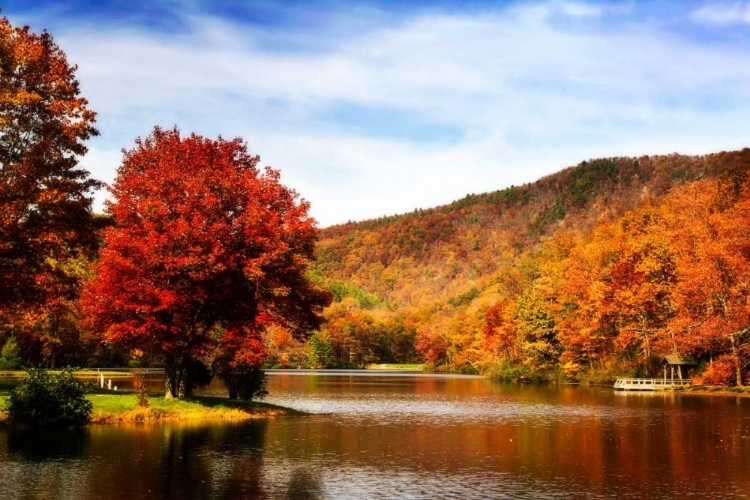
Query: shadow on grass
[{"x": 235, "y": 404}]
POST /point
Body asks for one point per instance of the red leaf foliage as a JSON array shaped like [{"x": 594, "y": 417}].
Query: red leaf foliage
[
  {"x": 205, "y": 246},
  {"x": 45, "y": 201}
]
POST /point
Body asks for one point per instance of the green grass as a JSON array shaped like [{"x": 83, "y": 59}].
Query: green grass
[
  {"x": 123, "y": 408},
  {"x": 6, "y": 387},
  {"x": 394, "y": 366},
  {"x": 112, "y": 403},
  {"x": 97, "y": 374},
  {"x": 77, "y": 373}
]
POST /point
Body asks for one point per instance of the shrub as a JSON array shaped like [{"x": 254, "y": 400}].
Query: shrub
[
  {"x": 243, "y": 382},
  {"x": 608, "y": 372},
  {"x": 523, "y": 373},
  {"x": 508, "y": 372},
  {"x": 43, "y": 399},
  {"x": 720, "y": 372},
  {"x": 198, "y": 375},
  {"x": 137, "y": 363}
]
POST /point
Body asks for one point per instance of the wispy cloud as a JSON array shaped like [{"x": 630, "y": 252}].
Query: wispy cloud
[
  {"x": 370, "y": 112},
  {"x": 722, "y": 13},
  {"x": 576, "y": 9}
]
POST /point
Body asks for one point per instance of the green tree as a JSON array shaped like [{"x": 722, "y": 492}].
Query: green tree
[
  {"x": 321, "y": 350},
  {"x": 537, "y": 330},
  {"x": 11, "y": 355}
]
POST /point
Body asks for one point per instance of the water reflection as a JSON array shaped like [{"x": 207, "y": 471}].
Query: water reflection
[
  {"x": 461, "y": 437},
  {"x": 205, "y": 461},
  {"x": 304, "y": 485},
  {"x": 36, "y": 445},
  {"x": 405, "y": 437}
]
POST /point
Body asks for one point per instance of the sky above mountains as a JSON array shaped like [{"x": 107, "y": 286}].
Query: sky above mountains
[{"x": 376, "y": 108}]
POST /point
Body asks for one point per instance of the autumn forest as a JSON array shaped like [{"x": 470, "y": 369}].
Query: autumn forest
[
  {"x": 587, "y": 274},
  {"x": 202, "y": 256}
]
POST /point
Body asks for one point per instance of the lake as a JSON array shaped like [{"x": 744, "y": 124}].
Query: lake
[{"x": 374, "y": 435}]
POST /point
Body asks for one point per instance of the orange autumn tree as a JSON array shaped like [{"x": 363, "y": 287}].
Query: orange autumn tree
[
  {"x": 499, "y": 331},
  {"x": 45, "y": 199},
  {"x": 587, "y": 330},
  {"x": 206, "y": 252},
  {"x": 640, "y": 281},
  {"x": 714, "y": 295}
]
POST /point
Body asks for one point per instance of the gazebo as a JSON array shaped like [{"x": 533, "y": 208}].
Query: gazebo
[{"x": 676, "y": 361}]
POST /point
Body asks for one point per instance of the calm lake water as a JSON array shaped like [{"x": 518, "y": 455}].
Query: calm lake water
[{"x": 405, "y": 436}]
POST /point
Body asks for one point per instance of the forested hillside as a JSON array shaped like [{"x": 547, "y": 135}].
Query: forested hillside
[{"x": 591, "y": 270}]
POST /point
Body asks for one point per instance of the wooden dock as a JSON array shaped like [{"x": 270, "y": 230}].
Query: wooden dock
[{"x": 650, "y": 384}]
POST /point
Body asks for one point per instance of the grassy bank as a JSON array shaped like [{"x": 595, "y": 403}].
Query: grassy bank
[
  {"x": 123, "y": 408},
  {"x": 717, "y": 390},
  {"x": 78, "y": 373},
  {"x": 111, "y": 408},
  {"x": 393, "y": 366}
]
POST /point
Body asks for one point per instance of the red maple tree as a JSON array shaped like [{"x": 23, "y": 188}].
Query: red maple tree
[
  {"x": 207, "y": 250},
  {"x": 45, "y": 199}
]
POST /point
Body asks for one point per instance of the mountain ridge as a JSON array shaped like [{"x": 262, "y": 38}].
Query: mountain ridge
[{"x": 433, "y": 279}]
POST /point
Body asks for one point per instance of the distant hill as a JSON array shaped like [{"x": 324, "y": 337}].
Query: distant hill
[
  {"x": 437, "y": 256},
  {"x": 431, "y": 269}
]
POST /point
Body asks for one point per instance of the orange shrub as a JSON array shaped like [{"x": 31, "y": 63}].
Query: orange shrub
[{"x": 720, "y": 371}]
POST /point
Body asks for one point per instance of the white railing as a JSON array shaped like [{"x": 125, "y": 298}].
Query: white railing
[{"x": 645, "y": 383}]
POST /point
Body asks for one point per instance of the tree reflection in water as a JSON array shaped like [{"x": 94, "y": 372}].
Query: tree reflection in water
[
  {"x": 304, "y": 485},
  {"x": 38, "y": 445},
  {"x": 404, "y": 437},
  {"x": 130, "y": 461}
]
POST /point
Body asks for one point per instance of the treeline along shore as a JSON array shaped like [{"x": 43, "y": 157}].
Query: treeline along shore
[{"x": 206, "y": 264}]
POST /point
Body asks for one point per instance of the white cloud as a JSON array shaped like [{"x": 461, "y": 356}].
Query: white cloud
[
  {"x": 528, "y": 94},
  {"x": 577, "y": 9},
  {"x": 722, "y": 13}
]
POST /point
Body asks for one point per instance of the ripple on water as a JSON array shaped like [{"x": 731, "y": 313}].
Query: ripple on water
[
  {"x": 437, "y": 410},
  {"x": 341, "y": 481}
]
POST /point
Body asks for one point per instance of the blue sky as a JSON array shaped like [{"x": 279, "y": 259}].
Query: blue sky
[{"x": 377, "y": 108}]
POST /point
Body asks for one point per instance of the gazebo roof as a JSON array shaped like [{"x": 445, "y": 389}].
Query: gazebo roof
[{"x": 676, "y": 359}]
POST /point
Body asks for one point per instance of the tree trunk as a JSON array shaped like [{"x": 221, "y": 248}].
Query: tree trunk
[
  {"x": 170, "y": 377},
  {"x": 182, "y": 389},
  {"x": 736, "y": 358},
  {"x": 232, "y": 386}
]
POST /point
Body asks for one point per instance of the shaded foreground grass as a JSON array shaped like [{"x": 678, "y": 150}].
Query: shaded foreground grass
[{"x": 123, "y": 408}]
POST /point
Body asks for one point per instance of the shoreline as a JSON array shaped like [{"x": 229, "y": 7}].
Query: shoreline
[
  {"x": 152, "y": 415},
  {"x": 114, "y": 409},
  {"x": 86, "y": 373},
  {"x": 716, "y": 390}
]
